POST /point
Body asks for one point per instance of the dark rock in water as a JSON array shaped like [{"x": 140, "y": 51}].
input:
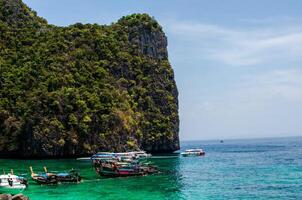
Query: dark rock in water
[
  {"x": 20, "y": 197},
  {"x": 72, "y": 91},
  {"x": 13, "y": 197},
  {"x": 5, "y": 197}
]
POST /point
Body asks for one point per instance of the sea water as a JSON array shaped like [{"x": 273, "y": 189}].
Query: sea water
[{"x": 235, "y": 169}]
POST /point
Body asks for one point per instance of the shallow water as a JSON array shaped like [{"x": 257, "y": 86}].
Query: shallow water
[{"x": 235, "y": 169}]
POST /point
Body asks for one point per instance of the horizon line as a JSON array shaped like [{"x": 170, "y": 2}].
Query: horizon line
[{"x": 251, "y": 138}]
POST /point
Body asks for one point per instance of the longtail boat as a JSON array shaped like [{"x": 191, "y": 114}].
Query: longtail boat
[
  {"x": 116, "y": 169},
  {"x": 71, "y": 176},
  {"x": 43, "y": 178},
  {"x": 122, "y": 164},
  {"x": 53, "y": 178}
]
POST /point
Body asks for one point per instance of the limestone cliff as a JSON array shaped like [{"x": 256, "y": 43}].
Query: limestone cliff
[{"x": 72, "y": 91}]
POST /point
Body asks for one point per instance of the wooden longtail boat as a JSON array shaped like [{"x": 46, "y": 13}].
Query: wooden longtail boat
[
  {"x": 110, "y": 164},
  {"x": 71, "y": 176},
  {"x": 53, "y": 178},
  {"x": 43, "y": 178},
  {"x": 112, "y": 168}
]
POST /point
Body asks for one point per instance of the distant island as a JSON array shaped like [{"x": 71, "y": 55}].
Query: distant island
[{"x": 73, "y": 91}]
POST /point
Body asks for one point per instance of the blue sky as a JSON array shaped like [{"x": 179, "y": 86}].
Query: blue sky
[{"x": 237, "y": 63}]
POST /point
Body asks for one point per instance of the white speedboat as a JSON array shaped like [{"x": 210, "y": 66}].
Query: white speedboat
[
  {"x": 12, "y": 181},
  {"x": 126, "y": 157},
  {"x": 193, "y": 152},
  {"x": 140, "y": 154}
]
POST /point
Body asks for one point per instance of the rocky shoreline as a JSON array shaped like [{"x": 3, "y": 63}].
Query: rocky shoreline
[{"x": 13, "y": 197}]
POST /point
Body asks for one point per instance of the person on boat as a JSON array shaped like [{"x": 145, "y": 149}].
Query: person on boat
[
  {"x": 10, "y": 182},
  {"x": 114, "y": 167}
]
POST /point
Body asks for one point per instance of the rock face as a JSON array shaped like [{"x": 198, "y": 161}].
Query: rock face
[
  {"x": 72, "y": 91},
  {"x": 13, "y": 197}
]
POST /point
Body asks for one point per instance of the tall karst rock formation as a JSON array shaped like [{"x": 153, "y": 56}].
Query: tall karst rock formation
[{"x": 76, "y": 90}]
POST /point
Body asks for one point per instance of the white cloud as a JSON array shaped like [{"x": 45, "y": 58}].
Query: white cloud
[
  {"x": 275, "y": 85},
  {"x": 271, "y": 20},
  {"x": 235, "y": 46},
  {"x": 264, "y": 104},
  {"x": 221, "y": 101},
  {"x": 282, "y": 87}
]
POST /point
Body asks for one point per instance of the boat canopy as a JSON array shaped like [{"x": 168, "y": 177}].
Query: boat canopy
[{"x": 129, "y": 155}]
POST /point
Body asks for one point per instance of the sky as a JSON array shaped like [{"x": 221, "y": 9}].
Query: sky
[{"x": 237, "y": 64}]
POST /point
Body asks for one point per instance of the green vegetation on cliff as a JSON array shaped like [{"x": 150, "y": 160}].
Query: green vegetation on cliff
[{"x": 68, "y": 91}]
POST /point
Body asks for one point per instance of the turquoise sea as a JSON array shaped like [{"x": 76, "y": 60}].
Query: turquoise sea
[{"x": 235, "y": 169}]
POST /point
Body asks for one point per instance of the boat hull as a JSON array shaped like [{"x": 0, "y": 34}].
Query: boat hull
[
  {"x": 45, "y": 180},
  {"x": 120, "y": 174},
  {"x": 18, "y": 186},
  {"x": 54, "y": 178},
  {"x": 130, "y": 170},
  {"x": 12, "y": 182},
  {"x": 193, "y": 154},
  {"x": 69, "y": 179}
]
